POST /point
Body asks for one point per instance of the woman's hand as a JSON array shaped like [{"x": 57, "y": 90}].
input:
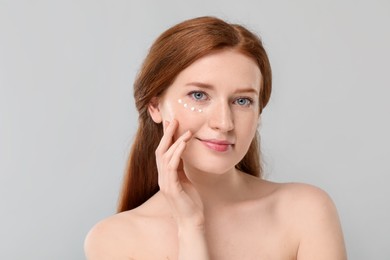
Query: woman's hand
[
  {"x": 182, "y": 196},
  {"x": 185, "y": 202}
]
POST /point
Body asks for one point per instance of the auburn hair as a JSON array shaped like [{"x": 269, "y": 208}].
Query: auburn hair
[{"x": 173, "y": 51}]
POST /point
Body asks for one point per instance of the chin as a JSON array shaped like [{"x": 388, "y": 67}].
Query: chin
[
  {"x": 208, "y": 168},
  {"x": 209, "y": 162}
]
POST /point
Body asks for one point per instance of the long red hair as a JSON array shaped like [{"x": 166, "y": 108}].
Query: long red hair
[{"x": 172, "y": 52}]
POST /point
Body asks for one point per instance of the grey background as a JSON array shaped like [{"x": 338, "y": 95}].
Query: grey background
[{"x": 67, "y": 117}]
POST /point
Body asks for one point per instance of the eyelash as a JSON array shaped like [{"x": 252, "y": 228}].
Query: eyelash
[{"x": 192, "y": 95}]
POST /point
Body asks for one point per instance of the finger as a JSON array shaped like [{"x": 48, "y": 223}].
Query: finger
[
  {"x": 172, "y": 178},
  {"x": 166, "y": 124},
  {"x": 183, "y": 138},
  {"x": 164, "y": 161},
  {"x": 167, "y": 138},
  {"x": 176, "y": 156}
]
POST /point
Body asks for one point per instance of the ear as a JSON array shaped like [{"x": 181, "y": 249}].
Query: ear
[{"x": 154, "y": 110}]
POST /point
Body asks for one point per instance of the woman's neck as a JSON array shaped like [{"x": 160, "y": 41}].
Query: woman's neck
[{"x": 216, "y": 188}]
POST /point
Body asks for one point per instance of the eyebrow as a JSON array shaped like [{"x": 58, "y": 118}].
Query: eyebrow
[{"x": 209, "y": 86}]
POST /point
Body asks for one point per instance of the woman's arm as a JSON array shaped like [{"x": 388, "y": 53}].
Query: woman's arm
[
  {"x": 184, "y": 200},
  {"x": 192, "y": 243},
  {"x": 320, "y": 229}
]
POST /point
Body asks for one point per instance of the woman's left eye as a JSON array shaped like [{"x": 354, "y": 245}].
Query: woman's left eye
[{"x": 243, "y": 101}]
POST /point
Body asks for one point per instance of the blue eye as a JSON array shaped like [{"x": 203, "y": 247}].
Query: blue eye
[
  {"x": 243, "y": 102},
  {"x": 198, "y": 95}
]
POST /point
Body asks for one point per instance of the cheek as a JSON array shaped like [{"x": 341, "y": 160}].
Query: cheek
[
  {"x": 189, "y": 117},
  {"x": 246, "y": 125}
]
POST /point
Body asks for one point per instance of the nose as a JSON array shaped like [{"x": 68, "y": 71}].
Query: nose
[{"x": 221, "y": 117}]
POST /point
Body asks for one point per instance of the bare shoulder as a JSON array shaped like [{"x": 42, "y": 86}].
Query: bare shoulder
[
  {"x": 132, "y": 234},
  {"x": 301, "y": 196},
  {"x": 111, "y": 238},
  {"x": 313, "y": 217},
  {"x": 303, "y": 203},
  {"x": 290, "y": 196},
  {"x": 297, "y": 202}
]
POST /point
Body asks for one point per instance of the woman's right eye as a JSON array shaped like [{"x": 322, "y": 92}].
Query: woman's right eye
[{"x": 198, "y": 95}]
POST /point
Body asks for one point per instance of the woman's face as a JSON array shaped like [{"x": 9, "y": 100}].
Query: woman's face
[{"x": 216, "y": 98}]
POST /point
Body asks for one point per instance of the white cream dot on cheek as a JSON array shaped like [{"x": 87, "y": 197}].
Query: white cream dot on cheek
[{"x": 185, "y": 105}]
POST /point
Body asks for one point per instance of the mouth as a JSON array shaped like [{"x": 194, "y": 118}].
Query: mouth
[{"x": 217, "y": 145}]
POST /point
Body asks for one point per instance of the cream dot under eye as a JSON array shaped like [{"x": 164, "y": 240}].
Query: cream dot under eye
[{"x": 185, "y": 105}]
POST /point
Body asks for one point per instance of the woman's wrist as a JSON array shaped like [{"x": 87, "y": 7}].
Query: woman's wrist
[
  {"x": 193, "y": 224},
  {"x": 192, "y": 241}
]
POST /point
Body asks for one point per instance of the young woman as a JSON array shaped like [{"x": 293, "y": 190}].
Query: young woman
[{"x": 193, "y": 186}]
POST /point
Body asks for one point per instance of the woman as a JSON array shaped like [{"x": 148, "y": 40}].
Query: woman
[{"x": 193, "y": 186}]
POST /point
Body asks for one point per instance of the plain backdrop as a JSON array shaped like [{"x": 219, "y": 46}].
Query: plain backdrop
[{"x": 67, "y": 117}]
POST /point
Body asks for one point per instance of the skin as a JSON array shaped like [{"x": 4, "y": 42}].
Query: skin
[{"x": 207, "y": 209}]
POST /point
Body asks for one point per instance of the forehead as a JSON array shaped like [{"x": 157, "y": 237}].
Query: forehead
[{"x": 227, "y": 68}]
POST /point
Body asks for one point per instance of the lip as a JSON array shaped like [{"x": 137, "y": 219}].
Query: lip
[{"x": 217, "y": 145}]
